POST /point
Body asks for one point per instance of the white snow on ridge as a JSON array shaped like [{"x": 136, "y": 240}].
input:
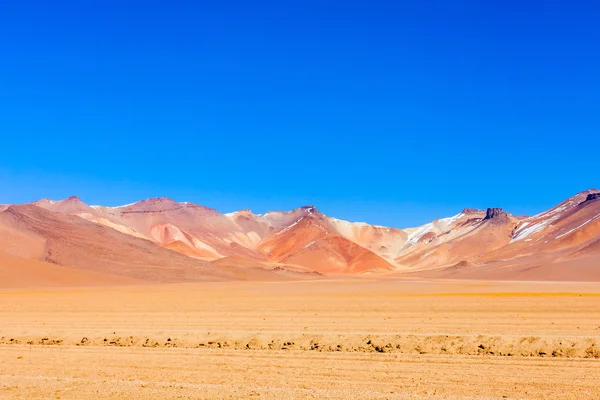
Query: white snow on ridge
[
  {"x": 127, "y": 205},
  {"x": 545, "y": 219},
  {"x": 116, "y": 207},
  {"x": 441, "y": 225},
  {"x": 46, "y": 201},
  {"x": 574, "y": 229},
  {"x": 552, "y": 212},
  {"x": 527, "y": 230},
  {"x": 444, "y": 223},
  {"x": 414, "y": 236},
  {"x": 290, "y": 227}
]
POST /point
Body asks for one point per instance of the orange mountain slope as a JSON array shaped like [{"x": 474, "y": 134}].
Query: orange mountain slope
[{"x": 161, "y": 239}]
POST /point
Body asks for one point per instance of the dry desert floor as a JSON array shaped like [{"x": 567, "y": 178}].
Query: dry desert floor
[{"x": 326, "y": 339}]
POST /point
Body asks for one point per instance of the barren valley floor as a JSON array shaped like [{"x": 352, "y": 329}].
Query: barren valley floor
[{"x": 335, "y": 339}]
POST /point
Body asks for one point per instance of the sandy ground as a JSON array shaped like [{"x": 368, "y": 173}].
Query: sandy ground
[{"x": 323, "y": 339}]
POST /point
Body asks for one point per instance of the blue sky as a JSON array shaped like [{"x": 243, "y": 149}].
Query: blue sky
[{"x": 382, "y": 112}]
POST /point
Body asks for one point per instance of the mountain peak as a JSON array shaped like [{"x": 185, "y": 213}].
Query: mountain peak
[
  {"x": 275, "y": 236},
  {"x": 161, "y": 204},
  {"x": 581, "y": 196},
  {"x": 309, "y": 209},
  {"x": 162, "y": 199},
  {"x": 45, "y": 200},
  {"x": 496, "y": 215},
  {"x": 70, "y": 204},
  {"x": 152, "y": 204},
  {"x": 592, "y": 197},
  {"x": 492, "y": 213}
]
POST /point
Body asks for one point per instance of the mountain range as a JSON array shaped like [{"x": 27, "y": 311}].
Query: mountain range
[{"x": 162, "y": 240}]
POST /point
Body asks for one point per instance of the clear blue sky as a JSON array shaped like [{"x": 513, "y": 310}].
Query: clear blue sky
[{"x": 387, "y": 112}]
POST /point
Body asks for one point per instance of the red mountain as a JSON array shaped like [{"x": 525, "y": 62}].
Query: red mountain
[{"x": 161, "y": 239}]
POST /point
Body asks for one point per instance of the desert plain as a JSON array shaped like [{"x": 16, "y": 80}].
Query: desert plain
[{"x": 343, "y": 338}]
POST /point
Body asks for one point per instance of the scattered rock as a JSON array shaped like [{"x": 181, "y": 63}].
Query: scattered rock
[{"x": 592, "y": 197}]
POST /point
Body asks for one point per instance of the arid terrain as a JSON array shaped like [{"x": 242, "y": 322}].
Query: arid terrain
[
  {"x": 338, "y": 339},
  {"x": 162, "y": 240},
  {"x": 166, "y": 299},
  {"x": 299, "y": 200}
]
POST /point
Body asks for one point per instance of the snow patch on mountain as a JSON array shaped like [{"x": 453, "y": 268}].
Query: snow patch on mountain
[
  {"x": 580, "y": 226},
  {"x": 528, "y": 230},
  {"x": 438, "y": 226}
]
